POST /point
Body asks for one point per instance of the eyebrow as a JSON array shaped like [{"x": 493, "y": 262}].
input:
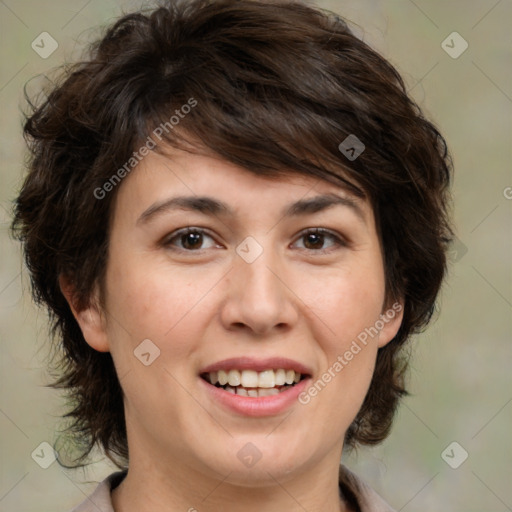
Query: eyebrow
[{"x": 211, "y": 206}]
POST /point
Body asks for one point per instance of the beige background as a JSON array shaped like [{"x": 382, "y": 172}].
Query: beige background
[{"x": 460, "y": 377}]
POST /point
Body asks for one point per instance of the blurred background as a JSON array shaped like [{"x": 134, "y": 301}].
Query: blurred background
[{"x": 451, "y": 445}]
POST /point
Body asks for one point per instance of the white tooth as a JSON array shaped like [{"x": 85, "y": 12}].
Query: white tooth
[
  {"x": 280, "y": 377},
  {"x": 241, "y": 391},
  {"x": 296, "y": 378},
  {"x": 249, "y": 379},
  {"x": 290, "y": 374},
  {"x": 213, "y": 377},
  {"x": 223, "y": 377},
  {"x": 268, "y": 392},
  {"x": 266, "y": 379},
  {"x": 252, "y": 392},
  {"x": 230, "y": 390},
  {"x": 234, "y": 378}
]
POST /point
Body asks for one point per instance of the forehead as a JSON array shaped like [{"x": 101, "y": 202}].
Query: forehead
[{"x": 159, "y": 178}]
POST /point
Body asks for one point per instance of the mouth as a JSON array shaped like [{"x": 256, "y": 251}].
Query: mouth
[{"x": 254, "y": 384}]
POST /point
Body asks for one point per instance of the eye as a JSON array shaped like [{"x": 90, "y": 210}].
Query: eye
[
  {"x": 320, "y": 240},
  {"x": 190, "y": 239}
]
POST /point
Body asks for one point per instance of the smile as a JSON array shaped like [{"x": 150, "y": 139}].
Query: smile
[{"x": 251, "y": 383}]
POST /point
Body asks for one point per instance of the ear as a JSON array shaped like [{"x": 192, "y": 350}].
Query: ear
[
  {"x": 90, "y": 319},
  {"x": 391, "y": 317}
]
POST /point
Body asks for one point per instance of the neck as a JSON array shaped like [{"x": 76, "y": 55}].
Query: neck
[{"x": 176, "y": 487}]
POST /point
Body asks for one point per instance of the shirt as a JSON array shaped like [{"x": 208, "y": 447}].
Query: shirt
[{"x": 354, "y": 490}]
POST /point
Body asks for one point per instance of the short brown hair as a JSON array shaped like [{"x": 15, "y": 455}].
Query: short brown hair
[{"x": 278, "y": 85}]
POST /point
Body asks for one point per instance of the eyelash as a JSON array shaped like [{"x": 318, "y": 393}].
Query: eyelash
[{"x": 338, "y": 241}]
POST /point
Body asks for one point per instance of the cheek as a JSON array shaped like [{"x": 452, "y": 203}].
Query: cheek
[
  {"x": 344, "y": 312},
  {"x": 345, "y": 302},
  {"x": 346, "y": 306},
  {"x": 150, "y": 303},
  {"x": 158, "y": 303}
]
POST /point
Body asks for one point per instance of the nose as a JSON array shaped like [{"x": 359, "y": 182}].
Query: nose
[{"x": 258, "y": 298}]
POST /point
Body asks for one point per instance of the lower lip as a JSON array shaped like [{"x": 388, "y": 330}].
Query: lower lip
[{"x": 257, "y": 406}]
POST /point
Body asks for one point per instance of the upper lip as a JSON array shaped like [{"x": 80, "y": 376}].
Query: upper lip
[{"x": 258, "y": 365}]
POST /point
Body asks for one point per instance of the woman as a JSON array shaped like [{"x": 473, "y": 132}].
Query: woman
[{"x": 237, "y": 218}]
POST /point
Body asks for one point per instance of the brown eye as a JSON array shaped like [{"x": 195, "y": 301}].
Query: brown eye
[
  {"x": 320, "y": 240},
  {"x": 190, "y": 239},
  {"x": 313, "y": 241}
]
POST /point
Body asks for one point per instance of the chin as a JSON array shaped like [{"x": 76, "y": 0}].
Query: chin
[
  {"x": 258, "y": 463},
  {"x": 262, "y": 474}
]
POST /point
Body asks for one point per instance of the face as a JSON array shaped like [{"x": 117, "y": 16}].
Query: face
[{"x": 213, "y": 268}]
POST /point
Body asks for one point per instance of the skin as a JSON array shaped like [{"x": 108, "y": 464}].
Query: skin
[{"x": 305, "y": 298}]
